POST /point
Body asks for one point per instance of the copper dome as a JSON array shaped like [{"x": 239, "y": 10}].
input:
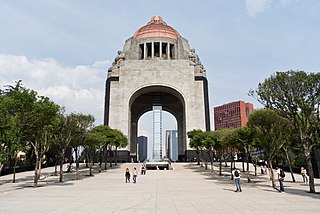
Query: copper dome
[{"x": 156, "y": 28}]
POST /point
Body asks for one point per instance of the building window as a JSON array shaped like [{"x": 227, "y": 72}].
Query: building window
[
  {"x": 149, "y": 49},
  {"x": 141, "y": 51},
  {"x": 171, "y": 51},
  {"x": 164, "y": 50},
  {"x": 156, "y": 49},
  {"x": 247, "y": 112}
]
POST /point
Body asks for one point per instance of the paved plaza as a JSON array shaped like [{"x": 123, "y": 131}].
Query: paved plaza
[{"x": 187, "y": 188}]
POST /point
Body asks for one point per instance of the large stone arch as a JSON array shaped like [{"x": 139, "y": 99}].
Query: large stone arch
[
  {"x": 157, "y": 60},
  {"x": 141, "y": 102}
]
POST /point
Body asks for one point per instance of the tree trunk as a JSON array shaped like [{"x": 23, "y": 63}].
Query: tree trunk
[
  {"x": 55, "y": 168},
  {"x": 243, "y": 169},
  {"x": 105, "y": 154},
  {"x": 90, "y": 166},
  {"x": 198, "y": 156},
  {"x": 311, "y": 176},
  {"x": 201, "y": 158},
  {"x": 248, "y": 157},
  {"x": 225, "y": 162},
  {"x": 76, "y": 157},
  {"x": 220, "y": 164},
  {"x": 40, "y": 167},
  {"x": 110, "y": 160},
  {"x": 248, "y": 178},
  {"x": 100, "y": 160},
  {"x": 255, "y": 167},
  {"x": 116, "y": 160},
  {"x": 289, "y": 162},
  {"x": 271, "y": 172},
  {"x": 211, "y": 159},
  {"x": 61, "y": 171},
  {"x": 14, "y": 169},
  {"x": 36, "y": 172},
  {"x": 70, "y": 163},
  {"x": 1, "y": 167},
  {"x": 231, "y": 168}
]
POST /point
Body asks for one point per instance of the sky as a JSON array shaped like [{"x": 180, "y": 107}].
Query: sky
[{"x": 63, "y": 49}]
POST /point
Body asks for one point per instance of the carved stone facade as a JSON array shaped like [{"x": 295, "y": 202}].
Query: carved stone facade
[{"x": 157, "y": 61}]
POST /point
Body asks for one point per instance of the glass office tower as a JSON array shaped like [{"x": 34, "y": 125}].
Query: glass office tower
[{"x": 157, "y": 132}]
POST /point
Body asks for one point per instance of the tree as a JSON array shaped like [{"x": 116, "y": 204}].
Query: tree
[
  {"x": 196, "y": 137},
  {"x": 120, "y": 141},
  {"x": 41, "y": 125},
  {"x": 99, "y": 137},
  {"x": 91, "y": 143},
  {"x": 296, "y": 95},
  {"x": 232, "y": 140},
  {"x": 209, "y": 142},
  {"x": 272, "y": 131},
  {"x": 246, "y": 141},
  {"x": 221, "y": 147},
  {"x": 66, "y": 128},
  {"x": 83, "y": 124}
]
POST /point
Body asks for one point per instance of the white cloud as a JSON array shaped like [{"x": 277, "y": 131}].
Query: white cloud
[
  {"x": 254, "y": 7},
  {"x": 78, "y": 89},
  {"x": 257, "y": 6}
]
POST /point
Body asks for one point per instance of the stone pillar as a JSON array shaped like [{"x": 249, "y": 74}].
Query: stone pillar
[
  {"x": 168, "y": 50},
  {"x": 160, "y": 50},
  {"x": 144, "y": 50},
  {"x": 152, "y": 50}
]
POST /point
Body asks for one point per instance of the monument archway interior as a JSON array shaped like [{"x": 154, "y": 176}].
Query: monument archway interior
[
  {"x": 145, "y": 123},
  {"x": 171, "y": 101}
]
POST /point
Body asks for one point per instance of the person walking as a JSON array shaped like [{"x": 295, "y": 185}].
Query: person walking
[
  {"x": 135, "y": 174},
  {"x": 143, "y": 169},
  {"x": 127, "y": 175},
  {"x": 304, "y": 175},
  {"x": 236, "y": 175},
  {"x": 281, "y": 176}
]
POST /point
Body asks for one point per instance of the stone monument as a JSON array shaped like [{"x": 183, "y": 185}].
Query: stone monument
[{"x": 157, "y": 65}]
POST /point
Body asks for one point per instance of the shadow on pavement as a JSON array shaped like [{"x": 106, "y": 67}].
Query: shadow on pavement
[
  {"x": 50, "y": 179},
  {"x": 260, "y": 182}
]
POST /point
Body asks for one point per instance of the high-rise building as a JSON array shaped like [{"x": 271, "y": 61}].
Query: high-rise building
[
  {"x": 232, "y": 115},
  {"x": 172, "y": 144},
  {"x": 142, "y": 148},
  {"x": 157, "y": 132}
]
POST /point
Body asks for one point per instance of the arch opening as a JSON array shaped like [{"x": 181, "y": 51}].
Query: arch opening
[
  {"x": 169, "y": 137},
  {"x": 142, "y": 102}
]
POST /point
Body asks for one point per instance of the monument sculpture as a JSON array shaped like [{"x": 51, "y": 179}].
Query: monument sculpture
[{"x": 157, "y": 67}]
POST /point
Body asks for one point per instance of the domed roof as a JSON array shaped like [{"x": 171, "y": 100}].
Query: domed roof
[{"x": 156, "y": 28}]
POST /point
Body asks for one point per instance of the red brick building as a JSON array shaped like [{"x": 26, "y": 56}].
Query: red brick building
[{"x": 232, "y": 115}]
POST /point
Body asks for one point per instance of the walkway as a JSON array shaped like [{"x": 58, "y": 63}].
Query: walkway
[{"x": 186, "y": 189}]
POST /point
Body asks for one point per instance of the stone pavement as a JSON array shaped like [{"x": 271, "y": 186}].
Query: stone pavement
[{"x": 186, "y": 189}]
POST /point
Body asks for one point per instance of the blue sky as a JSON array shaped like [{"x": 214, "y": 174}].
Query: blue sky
[{"x": 63, "y": 49}]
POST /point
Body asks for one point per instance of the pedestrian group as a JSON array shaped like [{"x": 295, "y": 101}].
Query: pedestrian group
[{"x": 127, "y": 174}]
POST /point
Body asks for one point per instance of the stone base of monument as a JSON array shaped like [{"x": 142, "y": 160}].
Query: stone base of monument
[{"x": 158, "y": 165}]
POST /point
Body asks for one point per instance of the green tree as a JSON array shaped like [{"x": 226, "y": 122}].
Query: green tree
[
  {"x": 296, "y": 95},
  {"x": 16, "y": 103},
  {"x": 120, "y": 141},
  {"x": 209, "y": 142},
  {"x": 221, "y": 147},
  {"x": 66, "y": 128},
  {"x": 91, "y": 144},
  {"x": 232, "y": 140},
  {"x": 196, "y": 137},
  {"x": 83, "y": 124},
  {"x": 272, "y": 131},
  {"x": 246, "y": 142},
  {"x": 41, "y": 127}
]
